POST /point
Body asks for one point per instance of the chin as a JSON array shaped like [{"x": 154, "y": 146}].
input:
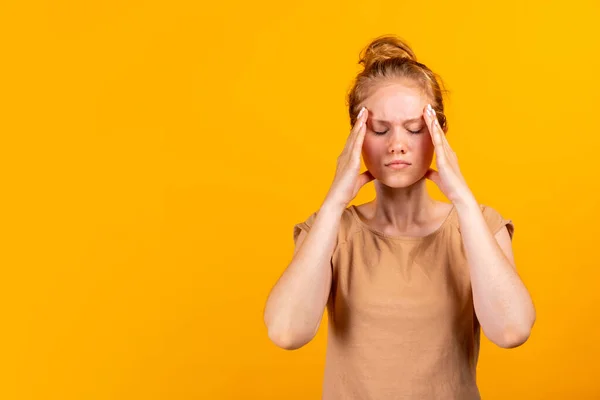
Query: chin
[{"x": 399, "y": 180}]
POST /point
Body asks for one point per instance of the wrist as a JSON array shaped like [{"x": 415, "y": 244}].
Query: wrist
[
  {"x": 332, "y": 206},
  {"x": 465, "y": 203}
]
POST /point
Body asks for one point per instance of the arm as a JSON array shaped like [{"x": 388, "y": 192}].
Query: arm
[
  {"x": 502, "y": 303},
  {"x": 296, "y": 303}
]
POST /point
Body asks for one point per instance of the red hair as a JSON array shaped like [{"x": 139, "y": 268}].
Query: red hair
[{"x": 387, "y": 58}]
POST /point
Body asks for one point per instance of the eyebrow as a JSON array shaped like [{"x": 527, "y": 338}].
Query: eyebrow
[{"x": 416, "y": 119}]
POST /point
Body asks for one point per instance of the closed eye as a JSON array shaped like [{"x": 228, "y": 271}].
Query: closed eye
[{"x": 413, "y": 132}]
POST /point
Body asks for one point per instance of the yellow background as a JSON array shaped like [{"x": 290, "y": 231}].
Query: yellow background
[{"x": 157, "y": 154}]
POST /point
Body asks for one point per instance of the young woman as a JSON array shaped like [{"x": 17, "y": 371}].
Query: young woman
[{"x": 408, "y": 282}]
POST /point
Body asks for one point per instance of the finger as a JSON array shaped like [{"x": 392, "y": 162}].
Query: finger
[
  {"x": 353, "y": 132},
  {"x": 360, "y": 138},
  {"x": 442, "y": 134},
  {"x": 447, "y": 148},
  {"x": 431, "y": 119},
  {"x": 435, "y": 133},
  {"x": 442, "y": 147},
  {"x": 439, "y": 132},
  {"x": 440, "y": 150},
  {"x": 361, "y": 122}
]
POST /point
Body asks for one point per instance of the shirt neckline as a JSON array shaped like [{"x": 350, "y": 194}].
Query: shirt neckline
[{"x": 364, "y": 225}]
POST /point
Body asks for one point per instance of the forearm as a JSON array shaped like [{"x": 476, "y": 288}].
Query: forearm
[
  {"x": 502, "y": 303},
  {"x": 296, "y": 303}
]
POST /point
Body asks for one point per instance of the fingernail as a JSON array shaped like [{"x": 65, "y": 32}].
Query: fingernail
[
  {"x": 361, "y": 112},
  {"x": 430, "y": 109}
]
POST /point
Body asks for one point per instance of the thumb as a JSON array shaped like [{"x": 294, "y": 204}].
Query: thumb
[
  {"x": 433, "y": 175},
  {"x": 365, "y": 178}
]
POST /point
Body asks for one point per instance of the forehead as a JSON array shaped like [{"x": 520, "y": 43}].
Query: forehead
[{"x": 396, "y": 101}]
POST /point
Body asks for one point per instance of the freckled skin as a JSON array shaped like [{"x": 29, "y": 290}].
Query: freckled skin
[{"x": 396, "y": 102}]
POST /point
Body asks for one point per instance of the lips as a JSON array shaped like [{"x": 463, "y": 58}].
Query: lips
[{"x": 395, "y": 162}]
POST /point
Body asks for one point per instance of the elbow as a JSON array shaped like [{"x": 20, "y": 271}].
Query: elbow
[
  {"x": 514, "y": 337},
  {"x": 286, "y": 336},
  {"x": 287, "y": 340},
  {"x": 287, "y": 332},
  {"x": 516, "y": 333}
]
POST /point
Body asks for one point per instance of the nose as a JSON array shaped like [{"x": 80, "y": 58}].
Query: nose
[{"x": 397, "y": 143}]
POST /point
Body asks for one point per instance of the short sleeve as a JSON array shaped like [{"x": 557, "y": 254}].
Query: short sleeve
[
  {"x": 306, "y": 225},
  {"x": 495, "y": 221}
]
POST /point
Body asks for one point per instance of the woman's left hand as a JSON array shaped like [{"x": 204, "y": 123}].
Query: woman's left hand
[{"x": 448, "y": 176}]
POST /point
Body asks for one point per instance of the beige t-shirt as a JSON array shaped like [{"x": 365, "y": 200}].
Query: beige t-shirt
[{"x": 401, "y": 318}]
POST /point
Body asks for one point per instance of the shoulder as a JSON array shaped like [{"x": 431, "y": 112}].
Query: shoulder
[
  {"x": 495, "y": 220},
  {"x": 348, "y": 225}
]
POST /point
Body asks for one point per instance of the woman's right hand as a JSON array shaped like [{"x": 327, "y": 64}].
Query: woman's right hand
[{"x": 347, "y": 181}]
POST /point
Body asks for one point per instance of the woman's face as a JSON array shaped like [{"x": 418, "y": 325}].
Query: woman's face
[{"x": 396, "y": 130}]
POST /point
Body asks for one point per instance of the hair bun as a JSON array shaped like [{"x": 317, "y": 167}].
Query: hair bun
[{"x": 384, "y": 48}]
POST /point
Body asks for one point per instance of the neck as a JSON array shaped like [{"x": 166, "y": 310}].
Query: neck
[{"x": 403, "y": 208}]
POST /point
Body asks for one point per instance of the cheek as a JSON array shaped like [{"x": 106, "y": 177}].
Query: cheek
[
  {"x": 371, "y": 149},
  {"x": 424, "y": 145},
  {"x": 427, "y": 148}
]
